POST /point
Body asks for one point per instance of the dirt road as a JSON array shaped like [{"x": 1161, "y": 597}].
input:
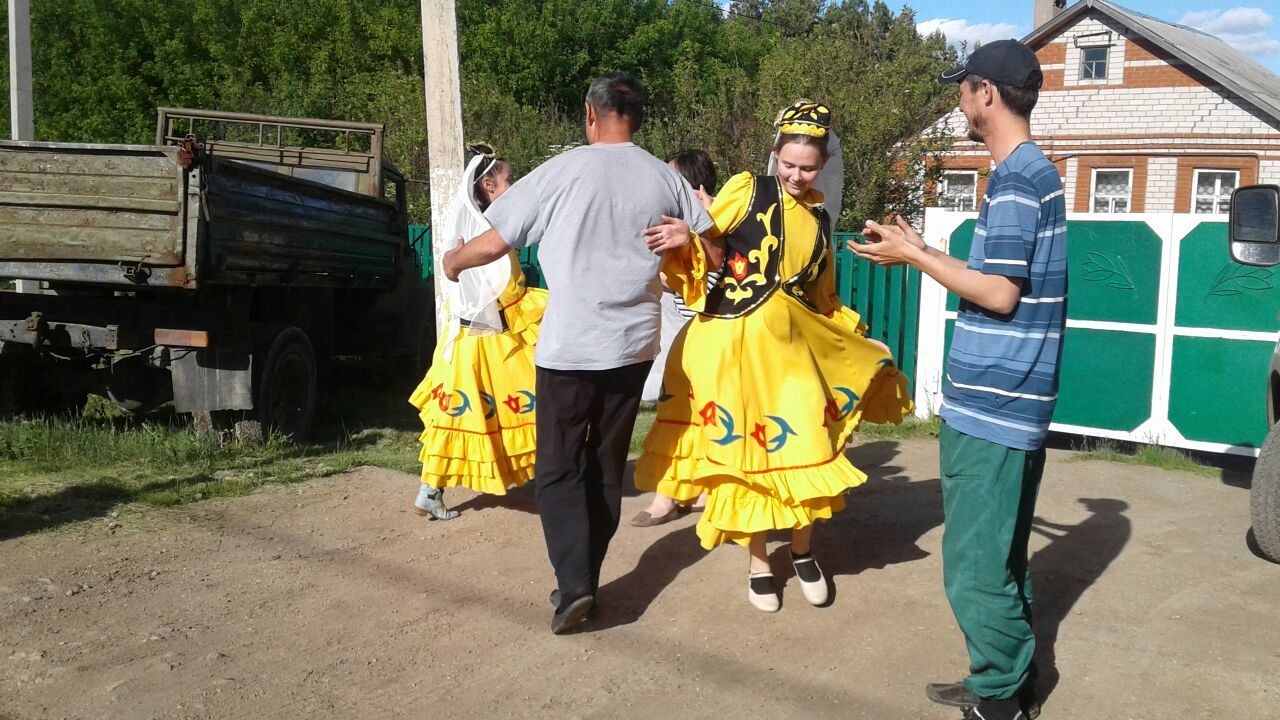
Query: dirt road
[{"x": 329, "y": 599}]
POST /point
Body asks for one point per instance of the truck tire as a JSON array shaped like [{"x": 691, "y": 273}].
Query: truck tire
[
  {"x": 284, "y": 387},
  {"x": 284, "y": 391},
  {"x": 1264, "y": 497}
]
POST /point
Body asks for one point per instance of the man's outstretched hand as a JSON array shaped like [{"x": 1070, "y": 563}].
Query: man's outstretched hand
[{"x": 889, "y": 245}]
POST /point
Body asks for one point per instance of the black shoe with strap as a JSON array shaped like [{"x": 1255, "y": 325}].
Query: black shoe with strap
[{"x": 958, "y": 695}]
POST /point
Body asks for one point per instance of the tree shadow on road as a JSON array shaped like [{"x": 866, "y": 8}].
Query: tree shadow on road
[{"x": 1076, "y": 557}]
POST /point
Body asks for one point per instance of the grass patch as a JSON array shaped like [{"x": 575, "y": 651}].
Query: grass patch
[
  {"x": 911, "y": 428},
  {"x": 644, "y": 421},
  {"x": 60, "y": 469},
  {"x": 1165, "y": 458}
]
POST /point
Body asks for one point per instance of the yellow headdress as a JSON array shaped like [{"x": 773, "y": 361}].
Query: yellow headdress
[{"x": 804, "y": 117}]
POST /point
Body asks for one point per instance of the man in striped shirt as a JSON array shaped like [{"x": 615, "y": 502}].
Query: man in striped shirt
[{"x": 1002, "y": 378}]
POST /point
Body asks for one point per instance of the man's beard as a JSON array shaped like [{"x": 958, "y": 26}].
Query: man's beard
[{"x": 975, "y": 133}]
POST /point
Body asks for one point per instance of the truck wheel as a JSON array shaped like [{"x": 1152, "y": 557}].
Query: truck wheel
[
  {"x": 284, "y": 391},
  {"x": 1264, "y": 497}
]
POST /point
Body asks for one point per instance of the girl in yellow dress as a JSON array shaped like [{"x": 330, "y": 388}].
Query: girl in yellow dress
[
  {"x": 477, "y": 401},
  {"x": 764, "y": 387}
]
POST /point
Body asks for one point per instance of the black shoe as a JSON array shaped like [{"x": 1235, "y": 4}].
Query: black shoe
[
  {"x": 563, "y": 620},
  {"x": 990, "y": 709},
  {"x": 958, "y": 695}
]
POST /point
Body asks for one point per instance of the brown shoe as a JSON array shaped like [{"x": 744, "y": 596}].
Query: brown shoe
[{"x": 644, "y": 519}]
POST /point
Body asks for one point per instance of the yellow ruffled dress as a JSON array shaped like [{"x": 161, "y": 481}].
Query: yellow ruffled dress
[
  {"x": 478, "y": 409},
  {"x": 757, "y": 409}
]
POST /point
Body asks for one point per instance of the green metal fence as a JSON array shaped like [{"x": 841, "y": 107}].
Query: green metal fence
[{"x": 888, "y": 299}]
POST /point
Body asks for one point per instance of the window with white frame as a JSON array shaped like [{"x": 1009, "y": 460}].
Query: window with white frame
[
  {"x": 1112, "y": 190},
  {"x": 1093, "y": 63},
  {"x": 958, "y": 190},
  {"x": 1212, "y": 190}
]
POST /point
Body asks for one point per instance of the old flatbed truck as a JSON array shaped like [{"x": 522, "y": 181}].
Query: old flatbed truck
[{"x": 222, "y": 268}]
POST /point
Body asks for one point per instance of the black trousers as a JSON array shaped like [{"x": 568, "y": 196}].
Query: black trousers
[{"x": 585, "y": 420}]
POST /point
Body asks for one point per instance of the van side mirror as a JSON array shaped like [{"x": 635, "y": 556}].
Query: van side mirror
[{"x": 1255, "y": 225}]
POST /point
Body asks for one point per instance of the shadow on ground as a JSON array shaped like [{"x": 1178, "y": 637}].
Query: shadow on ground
[{"x": 1075, "y": 558}]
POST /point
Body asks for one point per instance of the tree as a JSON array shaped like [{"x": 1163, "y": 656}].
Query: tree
[{"x": 715, "y": 79}]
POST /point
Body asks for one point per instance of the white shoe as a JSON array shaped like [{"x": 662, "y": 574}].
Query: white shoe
[
  {"x": 812, "y": 583},
  {"x": 430, "y": 502},
  {"x": 761, "y": 593}
]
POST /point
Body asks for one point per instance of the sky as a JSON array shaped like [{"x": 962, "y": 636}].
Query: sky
[{"x": 1251, "y": 26}]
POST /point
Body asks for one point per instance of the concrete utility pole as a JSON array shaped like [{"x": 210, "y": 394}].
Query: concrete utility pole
[
  {"x": 444, "y": 124},
  {"x": 21, "y": 114}
]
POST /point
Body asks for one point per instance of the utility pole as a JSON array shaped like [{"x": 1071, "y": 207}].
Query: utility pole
[
  {"x": 444, "y": 125},
  {"x": 21, "y": 114}
]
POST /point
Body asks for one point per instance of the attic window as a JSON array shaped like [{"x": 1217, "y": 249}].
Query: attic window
[{"x": 1093, "y": 63}]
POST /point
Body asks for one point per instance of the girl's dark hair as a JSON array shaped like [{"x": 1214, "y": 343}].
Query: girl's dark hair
[
  {"x": 800, "y": 139},
  {"x": 477, "y": 189},
  {"x": 697, "y": 167}
]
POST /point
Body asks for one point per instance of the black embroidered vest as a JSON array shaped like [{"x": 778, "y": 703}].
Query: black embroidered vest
[{"x": 753, "y": 256}]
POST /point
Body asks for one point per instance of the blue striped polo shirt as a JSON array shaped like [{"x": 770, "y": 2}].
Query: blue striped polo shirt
[{"x": 1002, "y": 370}]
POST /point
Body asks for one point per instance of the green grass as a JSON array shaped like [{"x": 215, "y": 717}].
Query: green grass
[
  {"x": 1157, "y": 456},
  {"x": 911, "y": 428},
  {"x": 55, "y": 470},
  {"x": 644, "y": 421}
]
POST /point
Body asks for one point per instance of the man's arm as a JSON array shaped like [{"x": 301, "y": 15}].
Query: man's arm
[
  {"x": 482, "y": 250},
  {"x": 903, "y": 245}
]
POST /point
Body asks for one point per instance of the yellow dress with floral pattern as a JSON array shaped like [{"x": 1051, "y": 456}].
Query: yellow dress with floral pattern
[
  {"x": 757, "y": 409},
  {"x": 478, "y": 408}
]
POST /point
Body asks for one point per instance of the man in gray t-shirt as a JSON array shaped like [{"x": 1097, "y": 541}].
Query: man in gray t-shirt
[{"x": 589, "y": 208}]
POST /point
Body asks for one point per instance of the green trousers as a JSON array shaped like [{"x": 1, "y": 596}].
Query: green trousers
[{"x": 989, "y": 499}]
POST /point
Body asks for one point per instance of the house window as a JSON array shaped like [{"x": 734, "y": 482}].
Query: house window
[
  {"x": 958, "y": 191},
  {"x": 1093, "y": 63},
  {"x": 1112, "y": 190},
  {"x": 1213, "y": 190}
]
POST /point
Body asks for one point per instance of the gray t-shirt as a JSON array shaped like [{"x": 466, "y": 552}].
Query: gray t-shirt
[{"x": 589, "y": 208}]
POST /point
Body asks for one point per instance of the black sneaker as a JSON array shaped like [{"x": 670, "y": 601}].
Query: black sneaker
[
  {"x": 572, "y": 615},
  {"x": 958, "y": 695}
]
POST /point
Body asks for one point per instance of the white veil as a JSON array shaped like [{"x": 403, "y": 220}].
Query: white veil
[
  {"x": 830, "y": 181},
  {"x": 472, "y": 300}
]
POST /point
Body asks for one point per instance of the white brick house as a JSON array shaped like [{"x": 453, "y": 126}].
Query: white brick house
[{"x": 1139, "y": 115}]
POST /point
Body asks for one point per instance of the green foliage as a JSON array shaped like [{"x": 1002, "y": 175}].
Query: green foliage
[{"x": 715, "y": 80}]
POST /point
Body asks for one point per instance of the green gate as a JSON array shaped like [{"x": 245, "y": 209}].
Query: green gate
[{"x": 1167, "y": 341}]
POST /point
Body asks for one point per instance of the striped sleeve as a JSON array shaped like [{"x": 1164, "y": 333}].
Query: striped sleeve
[{"x": 1013, "y": 214}]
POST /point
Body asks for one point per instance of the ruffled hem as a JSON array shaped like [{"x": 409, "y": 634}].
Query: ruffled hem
[
  {"x": 491, "y": 478},
  {"x": 446, "y": 442},
  {"x": 735, "y": 512},
  {"x": 680, "y": 472},
  {"x": 651, "y": 476}
]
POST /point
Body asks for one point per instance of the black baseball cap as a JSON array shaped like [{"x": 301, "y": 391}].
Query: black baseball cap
[{"x": 1006, "y": 62}]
